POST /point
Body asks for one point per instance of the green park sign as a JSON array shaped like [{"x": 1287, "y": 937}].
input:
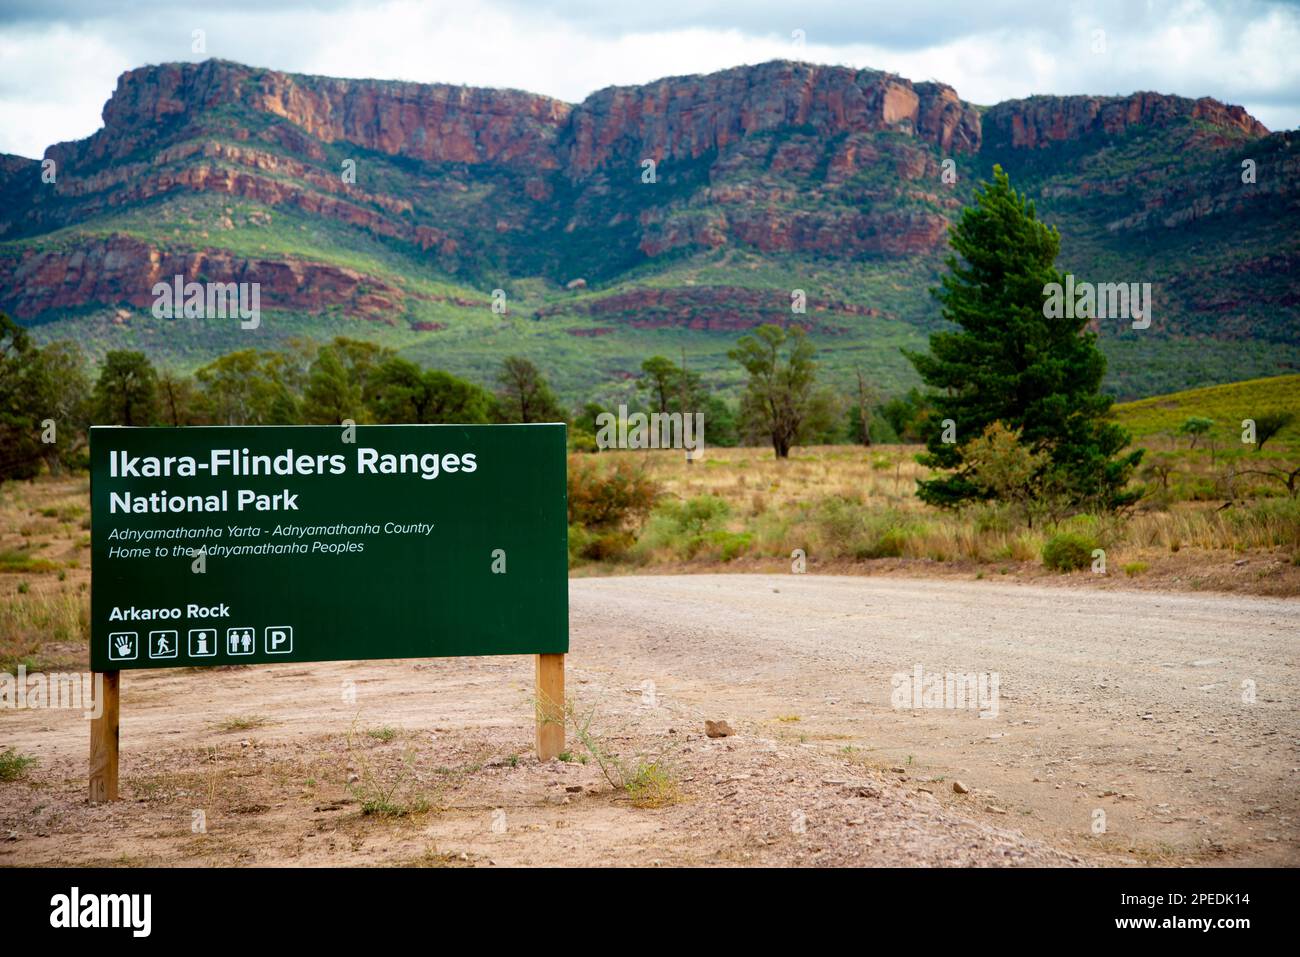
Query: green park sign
[{"x": 265, "y": 544}]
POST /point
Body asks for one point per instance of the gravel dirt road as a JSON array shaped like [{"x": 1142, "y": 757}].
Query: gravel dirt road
[
  {"x": 1126, "y": 732},
  {"x": 1173, "y": 715}
]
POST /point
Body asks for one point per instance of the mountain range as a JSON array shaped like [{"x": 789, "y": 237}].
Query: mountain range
[{"x": 460, "y": 225}]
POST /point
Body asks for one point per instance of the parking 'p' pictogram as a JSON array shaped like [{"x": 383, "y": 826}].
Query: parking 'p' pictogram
[{"x": 279, "y": 640}]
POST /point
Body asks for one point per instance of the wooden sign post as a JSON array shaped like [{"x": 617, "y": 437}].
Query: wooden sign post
[
  {"x": 550, "y": 706},
  {"x": 103, "y": 739}
]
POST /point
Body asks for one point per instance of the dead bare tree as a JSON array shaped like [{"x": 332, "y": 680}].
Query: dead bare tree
[
  {"x": 1288, "y": 476},
  {"x": 865, "y": 397}
]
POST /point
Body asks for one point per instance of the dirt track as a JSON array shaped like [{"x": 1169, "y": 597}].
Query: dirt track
[{"x": 1128, "y": 703}]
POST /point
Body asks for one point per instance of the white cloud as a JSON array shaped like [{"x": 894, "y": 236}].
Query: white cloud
[
  {"x": 56, "y": 73},
  {"x": 53, "y": 84}
]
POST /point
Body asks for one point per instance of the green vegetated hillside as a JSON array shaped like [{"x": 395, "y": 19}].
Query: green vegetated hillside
[
  {"x": 1226, "y": 405},
  {"x": 768, "y": 180}
]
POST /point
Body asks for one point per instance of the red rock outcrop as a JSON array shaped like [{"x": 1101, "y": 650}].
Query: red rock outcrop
[
  {"x": 1043, "y": 120},
  {"x": 122, "y": 269},
  {"x": 431, "y": 122},
  {"x": 676, "y": 117},
  {"x": 686, "y": 117},
  {"x": 704, "y": 307}
]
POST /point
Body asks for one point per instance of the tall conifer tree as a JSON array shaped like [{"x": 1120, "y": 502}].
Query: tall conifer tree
[{"x": 1007, "y": 362}]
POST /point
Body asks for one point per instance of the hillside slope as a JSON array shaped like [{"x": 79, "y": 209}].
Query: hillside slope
[
  {"x": 1227, "y": 405},
  {"x": 690, "y": 208}
]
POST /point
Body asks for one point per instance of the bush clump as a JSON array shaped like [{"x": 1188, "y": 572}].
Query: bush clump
[
  {"x": 693, "y": 528},
  {"x": 847, "y": 528},
  {"x": 1068, "y": 551},
  {"x": 608, "y": 502}
]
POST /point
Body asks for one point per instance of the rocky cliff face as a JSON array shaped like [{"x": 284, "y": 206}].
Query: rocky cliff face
[
  {"x": 673, "y": 118},
  {"x": 1041, "y": 121},
  {"x": 687, "y": 117},
  {"x": 679, "y": 117},
  {"x": 430, "y": 122}
]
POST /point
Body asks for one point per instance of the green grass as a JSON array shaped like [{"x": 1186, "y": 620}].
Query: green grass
[
  {"x": 19, "y": 561},
  {"x": 35, "y": 617},
  {"x": 13, "y": 765},
  {"x": 653, "y": 784},
  {"x": 1227, "y": 405},
  {"x": 382, "y": 788}
]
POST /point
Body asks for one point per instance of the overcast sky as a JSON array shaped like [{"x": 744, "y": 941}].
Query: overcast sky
[{"x": 60, "y": 59}]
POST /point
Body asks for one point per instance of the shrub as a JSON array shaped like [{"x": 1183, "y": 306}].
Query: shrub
[
  {"x": 599, "y": 545},
  {"x": 1133, "y": 569},
  {"x": 608, "y": 546},
  {"x": 579, "y": 539},
  {"x": 652, "y": 784},
  {"x": 13, "y": 765},
  {"x": 697, "y": 515},
  {"x": 1004, "y": 467},
  {"x": 607, "y": 504},
  {"x": 609, "y": 496},
  {"x": 1068, "y": 551},
  {"x": 888, "y": 544},
  {"x": 728, "y": 545},
  {"x": 685, "y": 529},
  {"x": 991, "y": 517},
  {"x": 847, "y": 528},
  {"x": 582, "y": 441}
]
